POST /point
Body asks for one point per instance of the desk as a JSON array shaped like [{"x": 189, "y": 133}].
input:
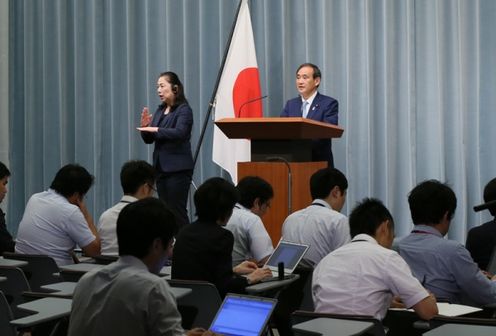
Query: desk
[
  {"x": 62, "y": 289},
  {"x": 335, "y": 327},
  {"x": 180, "y": 292},
  {"x": 462, "y": 330},
  {"x": 267, "y": 286},
  {"x": 12, "y": 262},
  {"x": 46, "y": 309}
]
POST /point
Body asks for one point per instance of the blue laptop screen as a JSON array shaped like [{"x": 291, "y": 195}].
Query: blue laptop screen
[{"x": 242, "y": 316}]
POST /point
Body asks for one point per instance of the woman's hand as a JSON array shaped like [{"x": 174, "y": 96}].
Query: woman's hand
[
  {"x": 146, "y": 117},
  {"x": 246, "y": 267}
]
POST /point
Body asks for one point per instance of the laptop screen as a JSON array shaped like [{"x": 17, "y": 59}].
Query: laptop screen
[
  {"x": 243, "y": 315},
  {"x": 288, "y": 253}
]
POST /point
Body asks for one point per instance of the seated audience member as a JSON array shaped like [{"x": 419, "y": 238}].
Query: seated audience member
[
  {"x": 320, "y": 225},
  {"x": 251, "y": 240},
  {"x": 481, "y": 240},
  {"x": 137, "y": 181},
  {"x": 127, "y": 297},
  {"x": 6, "y": 241},
  {"x": 362, "y": 277},
  {"x": 57, "y": 220},
  {"x": 444, "y": 266},
  {"x": 203, "y": 250}
]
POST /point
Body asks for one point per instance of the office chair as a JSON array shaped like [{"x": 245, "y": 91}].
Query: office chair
[
  {"x": 199, "y": 307},
  {"x": 41, "y": 269}
]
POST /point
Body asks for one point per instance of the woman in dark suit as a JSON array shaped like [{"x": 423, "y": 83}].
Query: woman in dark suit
[{"x": 170, "y": 129}]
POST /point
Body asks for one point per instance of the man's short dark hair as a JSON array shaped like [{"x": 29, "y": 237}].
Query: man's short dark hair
[
  {"x": 367, "y": 216},
  {"x": 72, "y": 178},
  {"x": 429, "y": 201},
  {"x": 324, "y": 180},
  {"x": 134, "y": 174},
  {"x": 251, "y": 188},
  {"x": 140, "y": 223},
  {"x": 4, "y": 171},
  {"x": 316, "y": 70},
  {"x": 489, "y": 195},
  {"x": 215, "y": 199}
]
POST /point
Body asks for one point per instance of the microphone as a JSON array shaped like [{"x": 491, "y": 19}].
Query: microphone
[
  {"x": 484, "y": 206},
  {"x": 249, "y": 102}
]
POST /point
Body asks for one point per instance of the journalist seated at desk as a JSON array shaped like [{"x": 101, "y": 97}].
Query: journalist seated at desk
[
  {"x": 363, "y": 276},
  {"x": 57, "y": 220},
  {"x": 127, "y": 297},
  {"x": 203, "y": 250},
  {"x": 444, "y": 266}
]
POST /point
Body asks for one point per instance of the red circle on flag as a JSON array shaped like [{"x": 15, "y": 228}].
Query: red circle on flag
[{"x": 246, "y": 89}]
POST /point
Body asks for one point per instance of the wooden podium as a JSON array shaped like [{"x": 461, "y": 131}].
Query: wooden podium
[{"x": 280, "y": 154}]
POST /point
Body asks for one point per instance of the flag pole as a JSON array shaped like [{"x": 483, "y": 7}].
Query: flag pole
[{"x": 211, "y": 104}]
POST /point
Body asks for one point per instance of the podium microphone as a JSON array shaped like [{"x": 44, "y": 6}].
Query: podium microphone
[
  {"x": 484, "y": 206},
  {"x": 249, "y": 102}
]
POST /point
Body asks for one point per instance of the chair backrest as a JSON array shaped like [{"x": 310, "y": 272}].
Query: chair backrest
[
  {"x": 41, "y": 269},
  {"x": 13, "y": 287},
  {"x": 302, "y": 316},
  {"x": 5, "y": 317},
  {"x": 199, "y": 307}
]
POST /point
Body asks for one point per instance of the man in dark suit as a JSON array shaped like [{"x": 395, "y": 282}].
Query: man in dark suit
[
  {"x": 481, "y": 240},
  {"x": 313, "y": 105}
]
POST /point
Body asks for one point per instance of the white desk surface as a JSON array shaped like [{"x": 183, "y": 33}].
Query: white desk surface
[
  {"x": 462, "y": 330},
  {"x": 80, "y": 268},
  {"x": 46, "y": 309},
  {"x": 266, "y": 286},
  {"x": 336, "y": 327},
  {"x": 63, "y": 289},
  {"x": 179, "y": 292},
  {"x": 12, "y": 262}
]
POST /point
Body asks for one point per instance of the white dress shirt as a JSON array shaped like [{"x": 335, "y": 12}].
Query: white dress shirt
[
  {"x": 319, "y": 226},
  {"x": 361, "y": 278},
  {"x": 107, "y": 225},
  {"x": 251, "y": 240}
]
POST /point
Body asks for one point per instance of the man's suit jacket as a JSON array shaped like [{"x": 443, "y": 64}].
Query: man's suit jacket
[
  {"x": 172, "y": 150},
  {"x": 324, "y": 109},
  {"x": 481, "y": 240},
  {"x": 203, "y": 251}
]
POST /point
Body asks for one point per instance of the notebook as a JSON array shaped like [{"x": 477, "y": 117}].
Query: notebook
[
  {"x": 287, "y": 252},
  {"x": 242, "y": 315}
]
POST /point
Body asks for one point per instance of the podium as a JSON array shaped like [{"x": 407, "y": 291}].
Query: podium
[{"x": 281, "y": 151}]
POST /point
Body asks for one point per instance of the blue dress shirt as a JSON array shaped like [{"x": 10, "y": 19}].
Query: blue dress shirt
[{"x": 446, "y": 268}]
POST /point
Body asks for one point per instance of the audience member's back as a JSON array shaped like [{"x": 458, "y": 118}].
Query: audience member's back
[
  {"x": 363, "y": 276},
  {"x": 444, "y": 266},
  {"x": 320, "y": 225}
]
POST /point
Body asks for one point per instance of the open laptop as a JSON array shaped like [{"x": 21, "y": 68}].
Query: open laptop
[
  {"x": 242, "y": 315},
  {"x": 287, "y": 252}
]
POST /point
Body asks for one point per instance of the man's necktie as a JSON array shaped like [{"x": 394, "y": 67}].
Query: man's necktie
[{"x": 304, "y": 110}]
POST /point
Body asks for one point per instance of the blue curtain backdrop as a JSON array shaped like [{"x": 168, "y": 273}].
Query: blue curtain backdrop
[{"x": 415, "y": 80}]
